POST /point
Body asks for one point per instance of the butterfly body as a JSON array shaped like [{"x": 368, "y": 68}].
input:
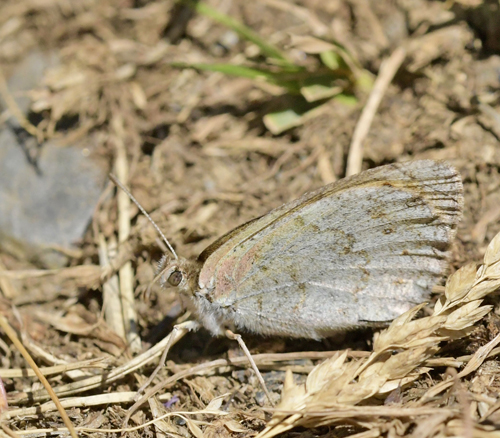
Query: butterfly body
[{"x": 362, "y": 250}]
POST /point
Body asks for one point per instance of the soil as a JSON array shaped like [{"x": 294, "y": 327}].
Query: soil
[{"x": 201, "y": 160}]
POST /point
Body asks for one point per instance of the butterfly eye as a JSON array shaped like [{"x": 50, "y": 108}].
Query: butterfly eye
[{"x": 175, "y": 278}]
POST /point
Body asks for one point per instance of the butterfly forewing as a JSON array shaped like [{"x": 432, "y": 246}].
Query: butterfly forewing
[{"x": 361, "y": 250}]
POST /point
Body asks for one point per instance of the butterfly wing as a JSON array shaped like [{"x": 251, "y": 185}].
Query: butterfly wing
[{"x": 361, "y": 250}]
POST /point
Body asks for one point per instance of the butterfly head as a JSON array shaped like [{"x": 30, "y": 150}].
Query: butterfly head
[
  {"x": 172, "y": 269},
  {"x": 178, "y": 272}
]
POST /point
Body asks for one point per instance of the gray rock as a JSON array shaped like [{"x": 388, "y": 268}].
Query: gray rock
[
  {"x": 28, "y": 75},
  {"x": 48, "y": 202},
  {"x": 47, "y": 192}
]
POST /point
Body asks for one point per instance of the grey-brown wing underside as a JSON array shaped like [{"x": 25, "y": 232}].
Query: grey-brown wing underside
[{"x": 359, "y": 251}]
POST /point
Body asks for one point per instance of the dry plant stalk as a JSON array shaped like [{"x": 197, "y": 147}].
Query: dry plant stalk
[{"x": 337, "y": 384}]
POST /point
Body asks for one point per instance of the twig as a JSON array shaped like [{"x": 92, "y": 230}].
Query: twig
[
  {"x": 387, "y": 71},
  {"x": 118, "y": 373},
  {"x": 57, "y": 369},
  {"x": 110, "y": 291},
  {"x": 125, "y": 273},
  {"x": 75, "y": 402},
  {"x": 15, "y": 340}
]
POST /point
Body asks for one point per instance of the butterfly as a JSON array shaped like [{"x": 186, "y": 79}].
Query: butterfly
[{"x": 356, "y": 252}]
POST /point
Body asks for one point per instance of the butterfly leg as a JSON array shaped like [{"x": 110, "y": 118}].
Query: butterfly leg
[
  {"x": 237, "y": 338},
  {"x": 178, "y": 331}
]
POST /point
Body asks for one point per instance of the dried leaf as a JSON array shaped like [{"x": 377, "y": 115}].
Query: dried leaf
[
  {"x": 425, "y": 341},
  {"x": 406, "y": 317},
  {"x": 374, "y": 368},
  {"x": 466, "y": 315},
  {"x": 391, "y": 385},
  {"x": 328, "y": 370},
  {"x": 214, "y": 404},
  {"x": 492, "y": 254},
  {"x": 438, "y": 307},
  {"x": 234, "y": 426},
  {"x": 460, "y": 283},
  {"x": 193, "y": 428},
  {"x": 482, "y": 289},
  {"x": 401, "y": 364},
  {"x": 353, "y": 394},
  {"x": 492, "y": 272},
  {"x": 335, "y": 386},
  {"x": 479, "y": 356},
  {"x": 397, "y": 337},
  {"x": 293, "y": 394}
]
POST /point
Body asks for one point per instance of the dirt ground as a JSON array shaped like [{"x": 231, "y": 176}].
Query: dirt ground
[{"x": 197, "y": 149}]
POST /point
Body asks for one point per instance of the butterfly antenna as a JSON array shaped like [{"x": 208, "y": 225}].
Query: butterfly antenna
[{"x": 136, "y": 202}]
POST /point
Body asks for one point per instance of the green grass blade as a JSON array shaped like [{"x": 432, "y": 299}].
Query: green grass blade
[
  {"x": 245, "y": 32},
  {"x": 298, "y": 111},
  {"x": 279, "y": 78}
]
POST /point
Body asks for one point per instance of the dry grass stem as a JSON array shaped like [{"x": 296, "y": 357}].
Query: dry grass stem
[
  {"x": 13, "y": 337},
  {"x": 99, "y": 380},
  {"x": 110, "y": 289},
  {"x": 125, "y": 273},
  {"x": 387, "y": 71},
  {"x": 184, "y": 415},
  {"x": 57, "y": 369}
]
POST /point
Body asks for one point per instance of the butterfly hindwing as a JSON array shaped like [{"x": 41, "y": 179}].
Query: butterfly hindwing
[{"x": 361, "y": 250}]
